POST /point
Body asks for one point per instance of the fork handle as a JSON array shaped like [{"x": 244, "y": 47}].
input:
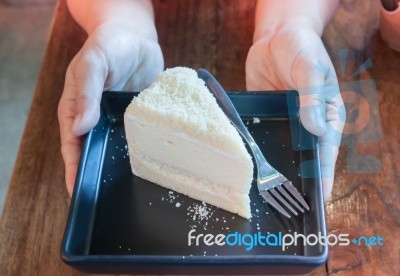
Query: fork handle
[{"x": 265, "y": 170}]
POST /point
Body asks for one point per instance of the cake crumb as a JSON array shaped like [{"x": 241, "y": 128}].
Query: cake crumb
[{"x": 200, "y": 213}]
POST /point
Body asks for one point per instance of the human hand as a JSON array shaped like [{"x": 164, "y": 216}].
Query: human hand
[
  {"x": 294, "y": 57},
  {"x": 114, "y": 57}
]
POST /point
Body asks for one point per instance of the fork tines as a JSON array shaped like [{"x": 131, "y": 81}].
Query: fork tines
[{"x": 284, "y": 194}]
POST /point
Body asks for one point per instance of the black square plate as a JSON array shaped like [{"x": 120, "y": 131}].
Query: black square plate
[{"x": 120, "y": 223}]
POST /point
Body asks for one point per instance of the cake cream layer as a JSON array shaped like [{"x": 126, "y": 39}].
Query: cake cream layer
[
  {"x": 190, "y": 185},
  {"x": 179, "y": 138},
  {"x": 180, "y": 151}
]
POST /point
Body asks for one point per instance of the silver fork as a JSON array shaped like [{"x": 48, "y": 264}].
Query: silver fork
[{"x": 272, "y": 185}]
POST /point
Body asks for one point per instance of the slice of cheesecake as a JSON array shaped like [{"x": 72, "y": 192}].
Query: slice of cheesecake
[{"x": 179, "y": 138}]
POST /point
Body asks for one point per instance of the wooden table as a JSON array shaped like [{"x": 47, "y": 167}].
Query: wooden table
[{"x": 214, "y": 35}]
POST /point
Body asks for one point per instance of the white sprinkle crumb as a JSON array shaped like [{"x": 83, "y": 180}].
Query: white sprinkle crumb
[
  {"x": 150, "y": 203},
  {"x": 200, "y": 213},
  {"x": 129, "y": 249},
  {"x": 112, "y": 157},
  {"x": 120, "y": 246},
  {"x": 171, "y": 197},
  {"x": 257, "y": 210},
  {"x": 112, "y": 131},
  {"x": 256, "y": 120},
  {"x": 177, "y": 205},
  {"x": 183, "y": 257},
  {"x": 248, "y": 122}
]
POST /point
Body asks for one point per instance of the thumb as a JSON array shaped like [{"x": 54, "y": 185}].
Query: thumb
[
  {"x": 310, "y": 85},
  {"x": 90, "y": 73}
]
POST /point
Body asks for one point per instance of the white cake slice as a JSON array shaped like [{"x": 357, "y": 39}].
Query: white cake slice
[{"x": 179, "y": 138}]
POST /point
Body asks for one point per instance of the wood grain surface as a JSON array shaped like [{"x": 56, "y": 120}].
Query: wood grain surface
[{"x": 215, "y": 35}]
